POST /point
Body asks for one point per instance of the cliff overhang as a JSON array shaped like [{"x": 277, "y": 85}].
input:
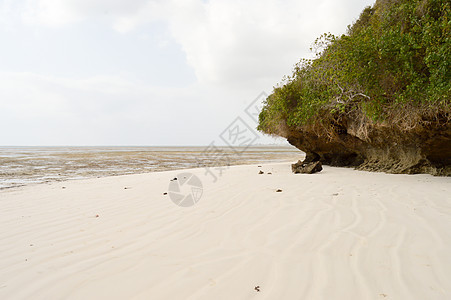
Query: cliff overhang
[{"x": 423, "y": 149}]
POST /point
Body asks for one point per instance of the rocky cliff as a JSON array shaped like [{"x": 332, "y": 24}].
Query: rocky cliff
[
  {"x": 381, "y": 148},
  {"x": 377, "y": 98}
]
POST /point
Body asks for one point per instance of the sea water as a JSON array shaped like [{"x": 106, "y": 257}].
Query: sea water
[{"x": 31, "y": 165}]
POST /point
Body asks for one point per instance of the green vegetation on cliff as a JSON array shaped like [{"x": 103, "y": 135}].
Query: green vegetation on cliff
[{"x": 391, "y": 68}]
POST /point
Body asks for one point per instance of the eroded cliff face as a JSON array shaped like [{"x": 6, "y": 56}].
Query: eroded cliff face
[{"x": 425, "y": 149}]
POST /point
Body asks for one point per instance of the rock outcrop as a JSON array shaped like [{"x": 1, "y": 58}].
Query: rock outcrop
[
  {"x": 306, "y": 167},
  {"x": 419, "y": 150}
]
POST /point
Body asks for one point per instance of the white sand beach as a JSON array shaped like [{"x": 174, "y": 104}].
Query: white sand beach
[{"x": 338, "y": 234}]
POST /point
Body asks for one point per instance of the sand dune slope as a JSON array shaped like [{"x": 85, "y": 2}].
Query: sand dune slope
[{"x": 338, "y": 234}]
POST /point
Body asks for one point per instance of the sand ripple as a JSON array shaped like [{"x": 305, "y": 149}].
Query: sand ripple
[{"x": 338, "y": 234}]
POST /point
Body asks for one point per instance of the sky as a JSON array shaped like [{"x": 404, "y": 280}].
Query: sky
[{"x": 150, "y": 72}]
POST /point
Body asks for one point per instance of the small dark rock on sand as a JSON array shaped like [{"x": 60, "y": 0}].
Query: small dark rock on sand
[
  {"x": 279, "y": 191},
  {"x": 165, "y": 193},
  {"x": 261, "y": 172},
  {"x": 257, "y": 288}
]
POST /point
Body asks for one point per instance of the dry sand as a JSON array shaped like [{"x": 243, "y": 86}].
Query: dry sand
[{"x": 338, "y": 234}]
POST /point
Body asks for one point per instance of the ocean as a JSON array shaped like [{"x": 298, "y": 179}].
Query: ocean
[{"x": 21, "y": 166}]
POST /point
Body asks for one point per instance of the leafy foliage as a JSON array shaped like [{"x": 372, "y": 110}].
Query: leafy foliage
[{"x": 395, "y": 57}]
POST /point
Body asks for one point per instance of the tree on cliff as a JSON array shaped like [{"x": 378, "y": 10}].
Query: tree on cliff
[{"x": 377, "y": 97}]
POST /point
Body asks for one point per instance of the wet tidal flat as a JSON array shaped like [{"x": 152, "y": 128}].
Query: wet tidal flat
[{"x": 29, "y": 165}]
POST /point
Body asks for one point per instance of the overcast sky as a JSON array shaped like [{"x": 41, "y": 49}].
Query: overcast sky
[{"x": 148, "y": 72}]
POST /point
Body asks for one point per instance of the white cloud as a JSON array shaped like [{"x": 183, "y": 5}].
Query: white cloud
[
  {"x": 49, "y": 13},
  {"x": 124, "y": 14},
  {"x": 224, "y": 41},
  {"x": 255, "y": 39}
]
